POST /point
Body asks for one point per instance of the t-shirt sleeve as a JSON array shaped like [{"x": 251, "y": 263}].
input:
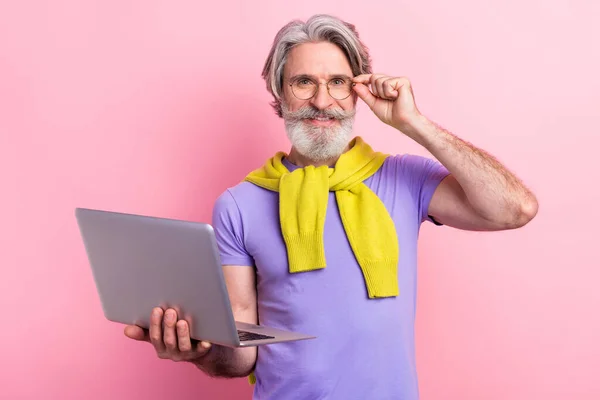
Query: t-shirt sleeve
[
  {"x": 229, "y": 231},
  {"x": 423, "y": 176}
]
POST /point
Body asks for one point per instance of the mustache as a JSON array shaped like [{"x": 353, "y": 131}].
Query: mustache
[{"x": 310, "y": 112}]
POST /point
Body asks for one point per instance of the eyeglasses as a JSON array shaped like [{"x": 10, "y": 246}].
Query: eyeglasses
[{"x": 305, "y": 88}]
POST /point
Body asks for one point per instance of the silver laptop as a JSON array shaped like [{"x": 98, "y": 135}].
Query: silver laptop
[{"x": 141, "y": 262}]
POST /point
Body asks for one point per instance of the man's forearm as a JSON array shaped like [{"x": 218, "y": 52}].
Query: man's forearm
[
  {"x": 494, "y": 192},
  {"x": 227, "y": 362}
]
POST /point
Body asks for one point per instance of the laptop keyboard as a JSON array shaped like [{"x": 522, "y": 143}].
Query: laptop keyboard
[{"x": 252, "y": 336}]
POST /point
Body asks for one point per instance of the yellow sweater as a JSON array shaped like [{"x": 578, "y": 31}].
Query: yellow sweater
[{"x": 303, "y": 196}]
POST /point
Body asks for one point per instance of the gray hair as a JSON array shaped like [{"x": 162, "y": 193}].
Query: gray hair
[{"x": 318, "y": 28}]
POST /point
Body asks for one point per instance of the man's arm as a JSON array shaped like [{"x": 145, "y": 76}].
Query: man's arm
[
  {"x": 480, "y": 193},
  {"x": 223, "y": 361}
]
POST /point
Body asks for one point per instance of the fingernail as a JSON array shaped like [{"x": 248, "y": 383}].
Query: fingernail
[{"x": 170, "y": 316}]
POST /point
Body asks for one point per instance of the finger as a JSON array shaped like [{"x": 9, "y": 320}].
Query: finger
[
  {"x": 156, "y": 336},
  {"x": 367, "y": 79},
  {"x": 190, "y": 348},
  {"x": 375, "y": 87},
  {"x": 183, "y": 336},
  {"x": 364, "y": 79},
  {"x": 398, "y": 83},
  {"x": 365, "y": 94},
  {"x": 378, "y": 86},
  {"x": 203, "y": 347},
  {"x": 136, "y": 333},
  {"x": 169, "y": 334},
  {"x": 389, "y": 89}
]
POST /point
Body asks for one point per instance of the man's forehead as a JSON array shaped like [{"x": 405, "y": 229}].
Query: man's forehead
[{"x": 322, "y": 60}]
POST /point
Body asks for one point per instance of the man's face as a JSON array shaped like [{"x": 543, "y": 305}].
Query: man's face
[{"x": 319, "y": 127}]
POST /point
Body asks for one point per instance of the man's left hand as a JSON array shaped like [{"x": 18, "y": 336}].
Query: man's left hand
[{"x": 390, "y": 98}]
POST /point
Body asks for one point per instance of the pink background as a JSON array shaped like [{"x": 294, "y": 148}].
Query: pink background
[{"x": 155, "y": 107}]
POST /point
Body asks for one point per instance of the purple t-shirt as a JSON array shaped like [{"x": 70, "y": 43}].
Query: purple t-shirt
[{"x": 364, "y": 347}]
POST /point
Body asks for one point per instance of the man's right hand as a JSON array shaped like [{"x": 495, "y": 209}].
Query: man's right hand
[{"x": 170, "y": 337}]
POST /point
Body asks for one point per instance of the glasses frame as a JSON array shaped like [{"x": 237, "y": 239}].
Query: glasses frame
[{"x": 318, "y": 84}]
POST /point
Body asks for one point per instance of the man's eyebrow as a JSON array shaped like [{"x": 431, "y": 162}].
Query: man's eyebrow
[
  {"x": 302, "y": 76},
  {"x": 344, "y": 76},
  {"x": 306, "y": 76}
]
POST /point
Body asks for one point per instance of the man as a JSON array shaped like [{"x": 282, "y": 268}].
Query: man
[{"x": 323, "y": 240}]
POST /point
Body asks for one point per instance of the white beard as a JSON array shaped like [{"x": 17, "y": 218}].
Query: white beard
[{"x": 318, "y": 143}]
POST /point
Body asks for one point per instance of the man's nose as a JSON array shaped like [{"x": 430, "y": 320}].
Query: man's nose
[{"x": 322, "y": 100}]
